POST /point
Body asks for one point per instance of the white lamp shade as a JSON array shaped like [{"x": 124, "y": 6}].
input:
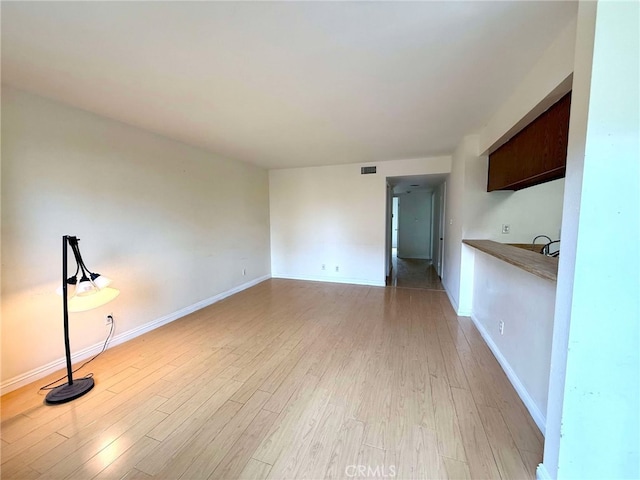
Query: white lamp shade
[
  {"x": 84, "y": 288},
  {"x": 101, "y": 281},
  {"x": 93, "y": 300}
]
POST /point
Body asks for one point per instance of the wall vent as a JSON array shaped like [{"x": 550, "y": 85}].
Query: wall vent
[{"x": 367, "y": 170}]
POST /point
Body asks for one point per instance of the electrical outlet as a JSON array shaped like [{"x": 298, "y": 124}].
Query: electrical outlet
[
  {"x": 337, "y": 268},
  {"x": 108, "y": 320},
  {"x": 324, "y": 267},
  {"x": 501, "y": 327},
  {"x": 506, "y": 228}
]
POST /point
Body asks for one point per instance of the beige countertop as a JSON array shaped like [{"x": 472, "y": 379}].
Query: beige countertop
[{"x": 532, "y": 262}]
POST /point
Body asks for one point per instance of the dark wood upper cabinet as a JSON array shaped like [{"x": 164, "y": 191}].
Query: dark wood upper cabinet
[{"x": 536, "y": 154}]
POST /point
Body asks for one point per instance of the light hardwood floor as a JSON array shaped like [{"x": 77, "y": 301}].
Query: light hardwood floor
[
  {"x": 287, "y": 379},
  {"x": 413, "y": 273}
]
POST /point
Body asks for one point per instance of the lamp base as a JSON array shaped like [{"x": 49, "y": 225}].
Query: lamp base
[{"x": 66, "y": 393}]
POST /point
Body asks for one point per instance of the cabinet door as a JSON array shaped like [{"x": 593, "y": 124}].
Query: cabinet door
[
  {"x": 502, "y": 170},
  {"x": 557, "y": 135},
  {"x": 536, "y": 154},
  {"x": 530, "y": 148}
]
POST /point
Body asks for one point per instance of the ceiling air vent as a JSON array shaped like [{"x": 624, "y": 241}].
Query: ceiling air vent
[{"x": 367, "y": 170}]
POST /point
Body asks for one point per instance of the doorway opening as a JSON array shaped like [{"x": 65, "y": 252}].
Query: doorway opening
[{"x": 415, "y": 231}]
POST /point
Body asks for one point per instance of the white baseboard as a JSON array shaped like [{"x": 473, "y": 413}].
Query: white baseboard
[
  {"x": 542, "y": 473},
  {"x": 454, "y": 304},
  {"x": 535, "y": 412},
  {"x": 352, "y": 281},
  {"x": 40, "y": 372},
  {"x": 452, "y": 300}
]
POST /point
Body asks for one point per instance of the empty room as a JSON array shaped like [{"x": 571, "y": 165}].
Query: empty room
[{"x": 320, "y": 240}]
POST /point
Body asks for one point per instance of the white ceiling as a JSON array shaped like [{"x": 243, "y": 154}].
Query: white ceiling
[
  {"x": 406, "y": 184},
  {"x": 284, "y": 84}
]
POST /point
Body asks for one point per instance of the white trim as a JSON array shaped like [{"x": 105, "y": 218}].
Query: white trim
[
  {"x": 39, "y": 372},
  {"x": 352, "y": 281},
  {"x": 454, "y": 304},
  {"x": 452, "y": 300},
  {"x": 535, "y": 412},
  {"x": 542, "y": 473}
]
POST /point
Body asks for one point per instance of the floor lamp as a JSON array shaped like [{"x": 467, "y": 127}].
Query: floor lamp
[{"x": 83, "y": 291}]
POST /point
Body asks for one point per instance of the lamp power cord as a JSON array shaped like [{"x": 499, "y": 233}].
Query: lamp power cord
[{"x": 49, "y": 386}]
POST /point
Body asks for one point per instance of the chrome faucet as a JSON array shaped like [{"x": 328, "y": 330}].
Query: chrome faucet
[
  {"x": 546, "y": 247},
  {"x": 533, "y": 243}
]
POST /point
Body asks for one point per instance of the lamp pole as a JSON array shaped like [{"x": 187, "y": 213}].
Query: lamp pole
[
  {"x": 65, "y": 308},
  {"x": 71, "y": 390}
]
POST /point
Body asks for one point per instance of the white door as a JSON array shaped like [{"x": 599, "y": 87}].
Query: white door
[
  {"x": 394, "y": 224},
  {"x": 414, "y": 225}
]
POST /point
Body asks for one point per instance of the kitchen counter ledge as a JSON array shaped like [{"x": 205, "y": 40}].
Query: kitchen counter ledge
[{"x": 532, "y": 262}]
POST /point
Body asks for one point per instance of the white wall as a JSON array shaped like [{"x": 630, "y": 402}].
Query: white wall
[
  {"x": 594, "y": 399},
  {"x": 478, "y": 214},
  {"x": 388, "y": 229},
  {"x": 171, "y": 224},
  {"x": 472, "y": 212},
  {"x": 414, "y": 224},
  {"x": 437, "y": 231},
  {"x": 335, "y": 216},
  {"x": 529, "y": 212},
  {"x": 454, "y": 221},
  {"x": 528, "y": 100},
  {"x": 525, "y": 303}
]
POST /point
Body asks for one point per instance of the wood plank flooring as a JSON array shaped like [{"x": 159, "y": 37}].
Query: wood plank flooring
[
  {"x": 413, "y": 273},
  {"x": 286, "y": 380}
]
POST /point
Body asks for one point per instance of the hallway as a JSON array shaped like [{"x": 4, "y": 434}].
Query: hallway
[{"x": 413, "y": 273}]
